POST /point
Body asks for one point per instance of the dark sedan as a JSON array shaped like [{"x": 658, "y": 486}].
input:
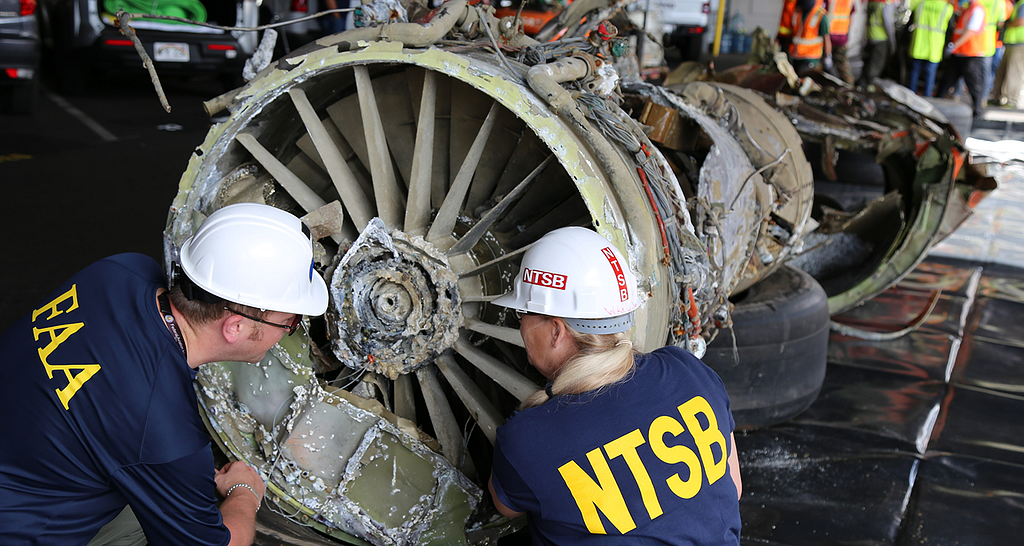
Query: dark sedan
[
  {"x": 19, "y": 56},
  {"x": 86, "y": 41}
]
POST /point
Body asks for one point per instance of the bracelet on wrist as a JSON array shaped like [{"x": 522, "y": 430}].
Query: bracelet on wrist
[{"x": 247, "y": 486}]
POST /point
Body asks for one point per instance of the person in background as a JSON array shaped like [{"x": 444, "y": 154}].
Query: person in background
[
  {"x": 965, "y": 55},
  {"x": 997, "y": 58},
  {"x": 995, "y": 15},
  {"x": 839, "y": 12},
  {"x": 931, "y": 21},
  {"x": 333, "y": 23},
  {"x": 620, "y": 447},
  {"x": 881, "y": 40},
  {"x": 809, "y": 46},
  {"x": 785, "y": 35},
  {"x": 103, "y": 441},
  {"x": 1010, "y": 76}
]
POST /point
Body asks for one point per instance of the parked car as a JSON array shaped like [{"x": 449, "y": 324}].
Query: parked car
[
  {"x": 19, "y": 56},
  {"x": 84, "y": 39},
  {"x": 685, "y": 23}
]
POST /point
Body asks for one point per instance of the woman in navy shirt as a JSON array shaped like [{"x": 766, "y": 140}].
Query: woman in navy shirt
[{"x": 619, "y": 447}]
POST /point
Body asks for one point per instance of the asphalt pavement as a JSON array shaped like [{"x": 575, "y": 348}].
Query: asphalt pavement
[{"x": 89, "y": 176}]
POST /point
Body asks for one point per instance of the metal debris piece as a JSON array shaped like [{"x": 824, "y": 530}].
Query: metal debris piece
[
  {"x": 325, "y": 221},
  {"x": 331, "y": 457}
]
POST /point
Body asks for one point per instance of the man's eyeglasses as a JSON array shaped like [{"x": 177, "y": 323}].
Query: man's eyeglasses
[
  {"x": 521, "y": 314},
  {"x": 290, "y": 327}
]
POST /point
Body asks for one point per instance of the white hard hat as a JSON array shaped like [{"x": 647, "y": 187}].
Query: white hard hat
[
  {"x": 255, "y": 255},
  {"x": 577, "y": 275}
]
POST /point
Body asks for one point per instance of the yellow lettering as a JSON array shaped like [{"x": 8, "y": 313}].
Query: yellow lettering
[
  {"x": 705, "y": 437},
  {"x": 52, "y": 306},
  {"x": 55, "y": 338},
  {"x": 625, "y": 447},
  {"x": 603, "y": 495},
  {"x": 59, "y": 334},
  {"x": 74, "y": 382},
  {"x": 676, "y": 454}
]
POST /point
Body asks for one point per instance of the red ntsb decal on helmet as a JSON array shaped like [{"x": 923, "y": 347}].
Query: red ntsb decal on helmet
[
  {"x": 544, "y": 278},
  {"x": 620, "y": 277}
]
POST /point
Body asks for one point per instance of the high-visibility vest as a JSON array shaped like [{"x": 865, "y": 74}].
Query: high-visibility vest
[
  {"x": 807, "y": 40},
  {"x": 1007, "y": 9},
  {"x": 975, "y": 45},
  {"x": 876, "y": 23},
  {"x": 931, "y": 19},
  {"x": 995, "y": 11},
  {"x": 786, "y": 22},
  {"x": 1015, "y": 35},
  {"x": 839, "y": 17}
]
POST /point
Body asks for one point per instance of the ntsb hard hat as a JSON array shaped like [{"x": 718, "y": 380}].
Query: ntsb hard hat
[
  {"x": 575, "y": 274},
  {"x": 255, "y": 255}
]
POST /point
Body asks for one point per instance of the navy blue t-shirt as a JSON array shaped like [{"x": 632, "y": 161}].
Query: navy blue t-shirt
[
  {"x": 642, "y": 461},
  {"x": 99, "y": 411}
]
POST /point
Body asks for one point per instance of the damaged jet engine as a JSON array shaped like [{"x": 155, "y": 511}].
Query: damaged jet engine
[{"x": 425, "y": 157}]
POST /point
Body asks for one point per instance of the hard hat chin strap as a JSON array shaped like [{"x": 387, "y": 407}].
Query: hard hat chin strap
[{"x": 610, "y": 325}]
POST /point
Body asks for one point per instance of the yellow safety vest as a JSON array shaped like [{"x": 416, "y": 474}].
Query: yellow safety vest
[
  {"x": 876, "y": 23},
  {"x": 1014, "y": 35},
  {"x": 931, "y": 19},
  {"x": 995, "y": 11}
]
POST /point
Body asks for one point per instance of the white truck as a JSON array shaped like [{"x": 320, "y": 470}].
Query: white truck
[{"x": 685, "y": 24}]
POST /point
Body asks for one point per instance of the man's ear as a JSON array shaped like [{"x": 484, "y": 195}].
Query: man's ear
[{"x": 232, "y": 327}]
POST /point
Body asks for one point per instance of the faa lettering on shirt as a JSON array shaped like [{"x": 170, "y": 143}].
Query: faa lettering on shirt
[
  {"x": 647, "y": 457},
  {"x": 102, "y": 403},
  {"x": 51, "y": 330}
]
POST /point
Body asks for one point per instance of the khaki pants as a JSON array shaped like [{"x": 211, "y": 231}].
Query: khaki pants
[
  {"x": 1010, "y": 76},
  {"x": 123, "y": 530}
]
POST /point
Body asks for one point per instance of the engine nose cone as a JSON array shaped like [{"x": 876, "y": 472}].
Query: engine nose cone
[{"x": 396, "y": 303}]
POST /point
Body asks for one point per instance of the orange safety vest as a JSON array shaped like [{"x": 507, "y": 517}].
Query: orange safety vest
[
  {"x": 786, "y": 22},
  {"x": 807, "y": 40},
  {"x": 839, "y": 16},
  {"x": 975, "y": 45}
]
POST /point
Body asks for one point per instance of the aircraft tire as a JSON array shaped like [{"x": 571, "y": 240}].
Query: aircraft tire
[{"x": 781, "y": 327}]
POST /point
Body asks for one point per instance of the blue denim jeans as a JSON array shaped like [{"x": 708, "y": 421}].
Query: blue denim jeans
[
  {"x": 929, "y": 75},
  {"x": 993, "y": 67}
]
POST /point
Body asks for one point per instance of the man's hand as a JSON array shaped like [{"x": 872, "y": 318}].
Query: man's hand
[
  {"x": 238, "y": 510},
  {"x": 948, "y": 50},
  {"x": 238, "y": 472},
  {"x": 828, "y": 64}
]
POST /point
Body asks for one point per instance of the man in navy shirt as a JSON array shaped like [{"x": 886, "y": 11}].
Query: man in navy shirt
[{"x": 100, "y": 415}]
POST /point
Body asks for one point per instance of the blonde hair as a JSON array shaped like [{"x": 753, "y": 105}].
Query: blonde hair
[{"x": 602, "y": 359}]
